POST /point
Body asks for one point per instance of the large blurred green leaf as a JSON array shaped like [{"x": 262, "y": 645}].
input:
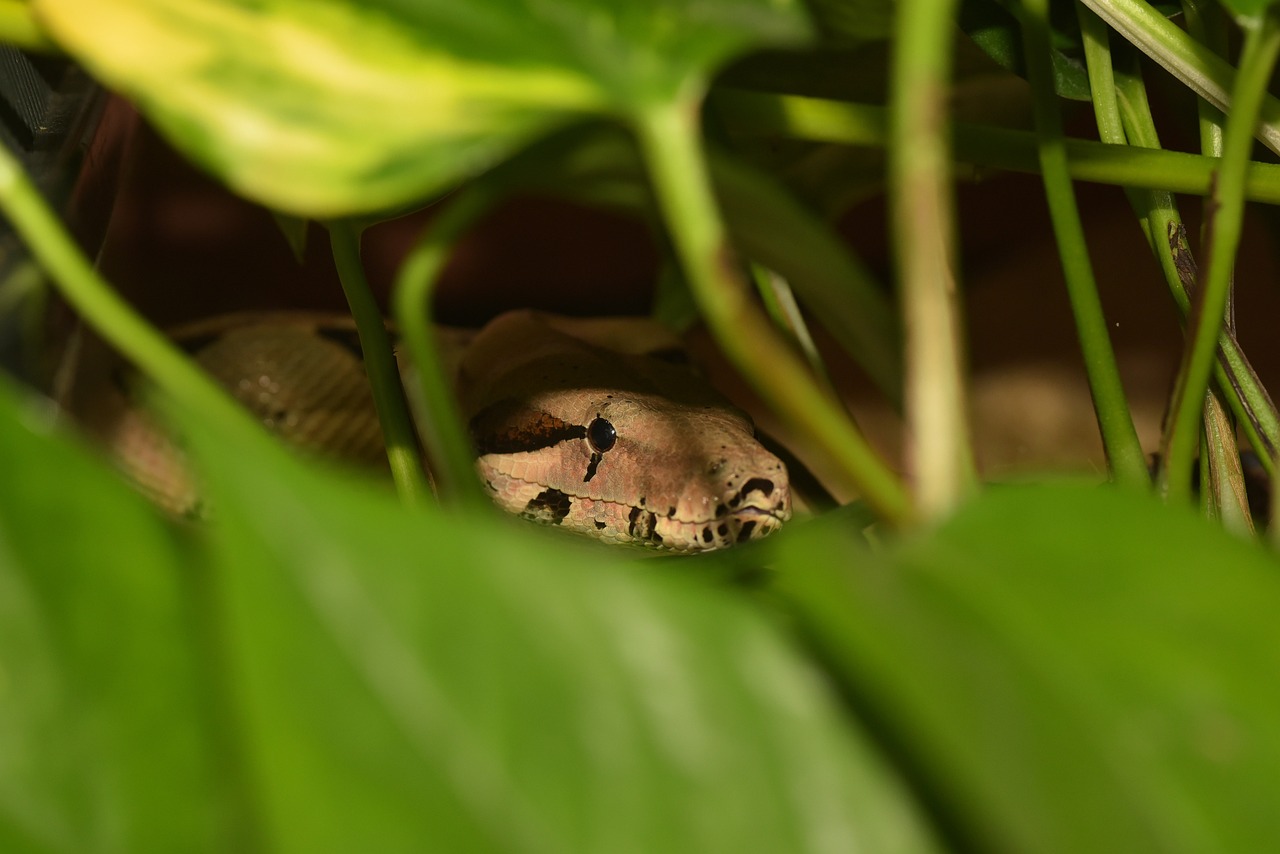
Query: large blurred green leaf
[
  {"x": 106, "y": 724},
  {"x": 417, "y": 681},
  {"x": 1068, "y": 669},
  {"x": 328, "y": 107}
]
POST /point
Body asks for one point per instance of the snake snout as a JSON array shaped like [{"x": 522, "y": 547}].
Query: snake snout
[{"x": 758, "y": 504}]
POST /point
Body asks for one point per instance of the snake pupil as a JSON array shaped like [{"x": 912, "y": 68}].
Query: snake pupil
[{"x": 601, "y": 435}]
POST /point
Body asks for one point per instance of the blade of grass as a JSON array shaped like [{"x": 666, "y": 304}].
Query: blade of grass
[
  {"x": 1119, "y": 438},
  {"x": 670, "y": 147},
  {"x": 1262, "y": 44},
  {"x": 984, "y": 147},
  {"x": 1245, "y": 394},
  {"x": 438, "y": 418},
  {"x": 1195, "y": 64},
  {"x": 1096, "y": 36},
  {"x": 938, "y": 450},
  {"x": 779, "y": 301},
  {"x": 1222, "y": 491},
  {"x": 380, "y": 363}
]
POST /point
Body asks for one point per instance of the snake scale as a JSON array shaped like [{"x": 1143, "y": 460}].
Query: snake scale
[{"x": 596, "y": 426}]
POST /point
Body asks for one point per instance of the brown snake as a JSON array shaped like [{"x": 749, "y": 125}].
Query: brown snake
[{"x": 583, "y": 424}]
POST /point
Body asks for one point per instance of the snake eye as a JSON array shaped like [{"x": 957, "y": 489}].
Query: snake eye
[{"x": 601, "y": 435}]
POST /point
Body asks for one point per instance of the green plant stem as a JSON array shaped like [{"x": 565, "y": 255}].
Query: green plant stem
[
  {"x": 19, "y": 27},
  {"x": 1245, "y": 394},
  {"x": 1207, "y": 23},
  {"x": 670, "y": 148},
  {"x": 1102, "y": 85},
  {"x": 780, "y": 303},
  {"x": 983, "y": 147},
  {"x": 110, "y": 316},
  {"x": 1119, "y": 438},
  {"x": 439, "y": 420},
  {"x": 380, "y": 363},
  {"x": 1262, "y": 44},
  {"x": 938, "y": 452},
  {"x": 773, "y": 229},
  {"x": 1195, "y": 64}
]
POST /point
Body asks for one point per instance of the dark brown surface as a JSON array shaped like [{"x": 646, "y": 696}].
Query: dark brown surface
[{"x": 182, "y": 248}]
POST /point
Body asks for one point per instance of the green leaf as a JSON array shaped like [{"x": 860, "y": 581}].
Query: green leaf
[
  {"x": 1066, "y": 668},
  {"x": 418, "y": 681},
  {"x": 107, "y": 720},
  {"x": 341, "y": 107},
  {"x": 994, "y": 29}
]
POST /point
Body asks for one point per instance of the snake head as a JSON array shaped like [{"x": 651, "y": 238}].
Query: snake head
[{"x": 624, "y": 448}]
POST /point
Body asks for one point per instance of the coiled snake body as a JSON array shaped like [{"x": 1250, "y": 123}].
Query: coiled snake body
[{"x": 591, "y": 425}]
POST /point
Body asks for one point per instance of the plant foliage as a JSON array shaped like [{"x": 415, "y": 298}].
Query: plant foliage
[{"x": 322, "y": 667}]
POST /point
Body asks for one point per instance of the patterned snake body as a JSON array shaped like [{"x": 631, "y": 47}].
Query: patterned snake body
[{"x": 583, "y": 424}]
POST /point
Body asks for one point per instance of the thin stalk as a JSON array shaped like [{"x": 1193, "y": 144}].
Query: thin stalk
[
  {"x": 1195, "y": 64},
  {"x": 779, "y": 301},
  {"x": 1207, "y": 23},
  {"x": 1158, "y": 207},
  {"x": 983, "y": 147},
  {"x": 668, "y": 136},
  {"x": 1245, "y": 394},
  {"x": 1096, "y": 36},
  {"x": 1119, "y": 438},
  {"x": 111, "y": 317},
  {"x": 939, "y": 454},
  {"x": 380, "y": 363},
  {"x": 439, "y": 420},
  {"x": 1262, "y": 44},
  {"x": 19, "y": 27},
  {"x": 1221, "y": 474},
  {"x": 1222, "y": 491}
]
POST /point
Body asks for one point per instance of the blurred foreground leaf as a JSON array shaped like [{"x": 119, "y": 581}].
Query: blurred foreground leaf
[
  {"x": 408, "y": 679},
  {"x": 107, "y": 740},
  {"x": 1065, "y": 669}
]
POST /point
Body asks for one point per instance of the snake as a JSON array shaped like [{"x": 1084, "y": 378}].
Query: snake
[{"x": 597, "y": 426}]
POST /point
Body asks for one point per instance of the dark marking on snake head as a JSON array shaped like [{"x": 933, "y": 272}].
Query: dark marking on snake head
[
  {"x": 347, "y": 339},
  {"x": 511, "y": 427},
  {"x": 642, "y": 525},
  {"x": 723, "y": 530},
  {"x": 671, "y": 512},
  {"x": 755, "y": 484},
  {"x": 744, "y": 533},
  {"x": 592, "y": 465},
  {"x": 707, "y": 536},
  {"x": 548, "y": 507},
  {"x": 600, "y": 526}
]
